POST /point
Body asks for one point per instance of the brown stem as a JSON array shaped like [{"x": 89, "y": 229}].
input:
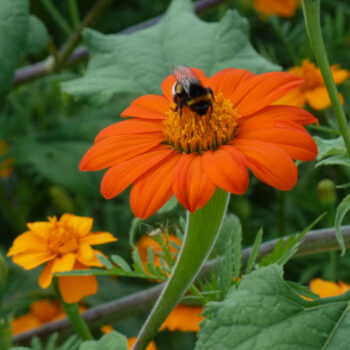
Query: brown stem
[{"x": 316, "y": 241}]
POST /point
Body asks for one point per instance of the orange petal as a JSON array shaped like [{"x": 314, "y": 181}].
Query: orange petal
[
  {"x": 31, "y": 260},
  {"x": 284, "y": 112},
  {"x": 169, "y": 81},
  {"x": 191, "y": 186},
  {"x": 64, "y": 263},
  {"x": 86, "y": 251},
  {"x": 40, "y": 228},
  {"x": 269, "y": 163},
  {"x": 148, "y": 107},
  {"x": 318, "y": 98},
  {"x": 120, "y": 176},
  {"x": 98, "y": 238},
  {"x": 293, "y": 98},
  {"x": 228, "y": 80},
  {"x": 339, "y": 75},
  {"x": 75, "y": 288},
  {"x": 27, "y": 242},
  {"x": 153, "y": 189},
  {"x": 261, "y": 90},
  {"x": 93, "y": 261},
  {"x": 287, "y": 135},
  {"x": 46, "y": 275},
  {"x": 130, "y": 126},
  {"x": 117, "y": 149},
  {"x": 79, "y": 224},
  {"x": 226, "y": 170}
]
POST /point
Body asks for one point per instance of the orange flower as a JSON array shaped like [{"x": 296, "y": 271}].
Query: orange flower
[
  {"x": 313, "y": 91},
  {"x": 328, "y": 288},
  {"x": 64, "y": 245},
  {"x": 6, "y": 166},
  {"x": 146, "y": 242},
  {"x": 184, "y": 318},
  {"x": 281, "y": 8},
  {"x": 132, "y": 341},
  {"x": 162, "y": 153}
]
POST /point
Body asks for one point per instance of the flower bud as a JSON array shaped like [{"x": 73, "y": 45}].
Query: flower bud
[
  {"x": 61, "y": 200},
  {"x": 326, "y": 192}
]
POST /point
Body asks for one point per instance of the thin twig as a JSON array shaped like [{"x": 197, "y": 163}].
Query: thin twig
[
  {"x": 40, "y": 69},
  {"x": 315, "y": 241}
]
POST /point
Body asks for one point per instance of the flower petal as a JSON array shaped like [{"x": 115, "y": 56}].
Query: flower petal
[
  {"x": 46, "y": 275},
  {"x": 263, "y": 89},
  {"x": 227, "y": 170},
  {"x": 339, "y": 75},
  {"x": 92, "y": 261},
  {"x": 27, "y": 242},
  {"x": 287, "y": 135},
  {"x": 148, "y": 107},
  {"x": 81, "y": 225},
  {"x": 293, "y": 98},
  {"x": 284, "y": 112},
  {"x": 130, "y": 126},
  {"x": 269, "y": 163},
  {"x": 228, "y": 80},
  {"x": 169, "y": 81},
  {"x": 40, "y": 228},
  {"x": 75, "y": 288},
  {"x": 191, "y": 186},
  {"x": 31, "y": 260},
  {"x": 318, "y": 98},
  {"x": 120, "y": 176},
  {"x": 98, "y": 238},
  {"x": 117, "y": 149},
  {"x": 86, "y": 251},
  {"x": 64, "y": 263},
  {"x": 153, "y": 189}
]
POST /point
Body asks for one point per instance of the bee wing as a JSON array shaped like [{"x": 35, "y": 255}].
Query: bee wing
[{"x": 184, "y": 75}]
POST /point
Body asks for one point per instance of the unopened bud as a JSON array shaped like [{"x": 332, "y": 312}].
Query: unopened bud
[
  {"x": 62, "y": 201},
  {"x": 326, "y": 192}
]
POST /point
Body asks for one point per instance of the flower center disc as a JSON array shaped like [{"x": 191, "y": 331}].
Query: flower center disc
[
  {"x": 61, "y": 240},
  {"x": 191, "y": 132}
]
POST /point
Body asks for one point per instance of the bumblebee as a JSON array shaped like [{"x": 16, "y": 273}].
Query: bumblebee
[{"x": 189, "y": 91}]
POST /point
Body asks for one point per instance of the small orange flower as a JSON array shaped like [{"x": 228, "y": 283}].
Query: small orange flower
[
  {"x": 64, "y": 245},
  {"x": 146, "y": 242},
  {"x": 328, "y": 288},
  {"x": 162, "y": 153},
  {"x": 313, "y": 91},
  {"x": 281, "y": 8},
  {"x": 184, "y": 318}
]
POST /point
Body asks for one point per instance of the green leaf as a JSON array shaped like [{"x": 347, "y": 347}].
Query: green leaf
[
  {"x": 138, "y": 63},
  {"x": 265, "y": 312},
  {"x": 342, "y": 210},
  {"x": 118, "y": 260},
  {"x": 37, "y": 37},
  {"x": 104, "y": 261},
  {"x": 335, "y": 160},
  {"x": 255, "y": 252},
  {"x": 112, "y": 340}
]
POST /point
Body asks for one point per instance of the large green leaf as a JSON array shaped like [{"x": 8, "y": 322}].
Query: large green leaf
[
  {"x": 137, "y": 63},
  {"x": 112, "y": 340},
  {"x": 37, "y": 36},
  {"x": 266, "y": 312},
  {"x": 14, "y": 15}
]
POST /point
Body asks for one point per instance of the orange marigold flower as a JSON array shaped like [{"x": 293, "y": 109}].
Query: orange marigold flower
[
  {"x": 146, "y": 242},
  {"x": 184, "y": 318},
  {"x": 281, "y": 8},
  {"x": 313, "y": 91},
  {"x": 64, "y": 245},
  {"x": 162, "y": 153},
  {"x": 132, "y": 341},
  {"x": 328, "y": 288}
]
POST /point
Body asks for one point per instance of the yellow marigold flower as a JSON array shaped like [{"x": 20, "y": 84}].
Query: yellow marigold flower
[
  {"x": 328, "y": 288},
  {"x": 6, "y": 166},
  {"x": 184, "y": 318},
  {"x": 132, "y": 341},
  {"x": 281, "y": 8},
  {"x": 313, "y": 91},
  {"x": 146, "y": 242},
  {"x": 64, "y": 245}
]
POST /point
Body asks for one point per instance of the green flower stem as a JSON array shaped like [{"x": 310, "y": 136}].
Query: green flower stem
[
  {"x": 201, "y": 233},
  {"x": 59, "y": 19},
  {"x": 311, "y": 9},
  {"x": 77, "y": 321},
  {"x": 74, "y": 12}
]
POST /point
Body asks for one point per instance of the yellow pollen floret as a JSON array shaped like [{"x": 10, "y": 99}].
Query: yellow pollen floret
[
  {"x": 61, "y": 239},
  {"x": 191, "y": 132}
]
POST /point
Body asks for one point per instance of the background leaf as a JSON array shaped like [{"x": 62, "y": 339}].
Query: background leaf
[
  {"x": 138, "y": 63},
  {"x": 14, "y": 16},
  {"x": 342, "y": 209},
  {"x": 112, "y": 340},
  {"x": 264, "y": 301},
  {"x": 37, "y": 36}
]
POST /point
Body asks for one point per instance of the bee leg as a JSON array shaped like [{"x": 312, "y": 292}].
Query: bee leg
[
  {"x": 212, "y": 95},
  {"x": 181, "y": 105}
]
